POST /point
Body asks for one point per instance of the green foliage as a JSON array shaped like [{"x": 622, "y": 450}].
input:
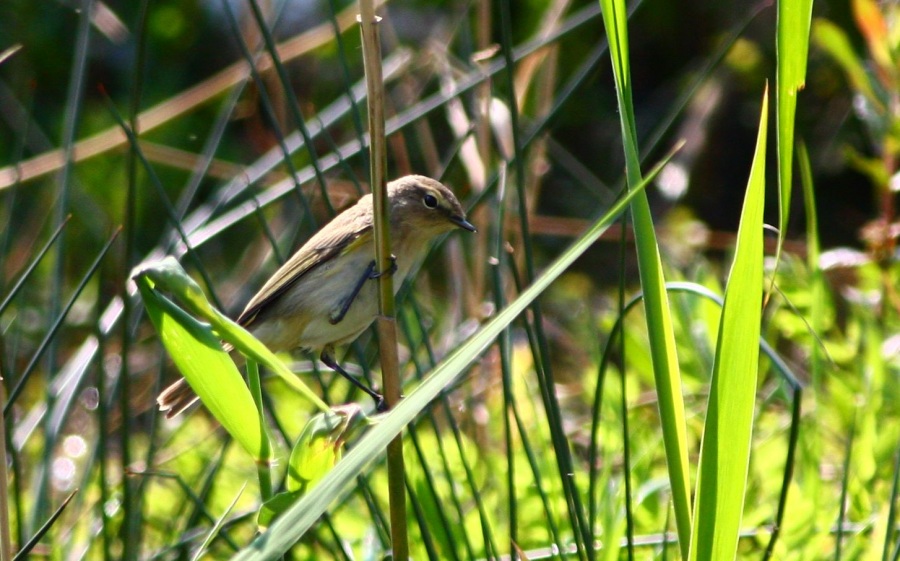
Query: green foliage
[{"x": 562, "y": 399}]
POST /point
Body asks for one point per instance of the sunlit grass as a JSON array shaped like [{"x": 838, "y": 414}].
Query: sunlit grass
[{"x": 515, "y": 441}]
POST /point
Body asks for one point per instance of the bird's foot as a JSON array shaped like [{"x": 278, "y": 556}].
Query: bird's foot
[{"x": 390, "y": 270}]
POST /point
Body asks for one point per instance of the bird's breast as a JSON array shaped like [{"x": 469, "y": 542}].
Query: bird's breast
[{"x": 303, "y": 316}]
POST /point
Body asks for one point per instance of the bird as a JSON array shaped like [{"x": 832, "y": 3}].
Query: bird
[{"x": 326, "y": 294}]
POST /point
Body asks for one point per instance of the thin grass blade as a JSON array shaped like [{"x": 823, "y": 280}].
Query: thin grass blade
[
  {"x": 201, "y": 551},
  {"x": 793, "y": 45},
  {"x": 26, "y": 549},
  {"x": 31, "y": 266},
  {"x": 656, "y": 302}
]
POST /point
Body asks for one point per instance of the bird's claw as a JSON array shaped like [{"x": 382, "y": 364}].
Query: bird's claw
[{"x": 390, "y": 270}]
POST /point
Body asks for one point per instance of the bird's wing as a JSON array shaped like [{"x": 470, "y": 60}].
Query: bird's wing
[{"x": 325, "y": 245}]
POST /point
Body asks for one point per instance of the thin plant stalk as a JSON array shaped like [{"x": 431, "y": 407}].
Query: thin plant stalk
[
  {"x": 892, "y": 509},
  {"x": 386, "y": 322},
  {"x": 504, "y": 343},
  {"x": 130, "y": 531},
  {"x": 626, "y": 442},
  {"x": 264, "y": 464},
  {"x": 845, "y": 483},
  {"x": 5, "y": 539}
]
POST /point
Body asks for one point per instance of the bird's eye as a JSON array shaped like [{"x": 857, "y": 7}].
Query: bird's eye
[{"x": 430, "y": 201}]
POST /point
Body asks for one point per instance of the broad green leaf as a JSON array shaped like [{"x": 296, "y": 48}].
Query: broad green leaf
[
  {"x": 725, "y": 449},
  {"x": 656, "y": 301},
  {"x": 197, "y": 352},
  {"x": 290, "y": 527},
  {"x": 168, "y": 275}
]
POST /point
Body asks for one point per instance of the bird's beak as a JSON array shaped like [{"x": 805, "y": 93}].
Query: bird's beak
[{"x": 463, "y": 223}]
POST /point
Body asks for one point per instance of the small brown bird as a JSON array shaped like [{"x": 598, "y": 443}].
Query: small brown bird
[{"x": 322, "y": 297}]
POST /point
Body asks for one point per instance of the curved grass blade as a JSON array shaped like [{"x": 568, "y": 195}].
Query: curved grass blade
[
  {"x": 9, "y": 52},
  {"x": 656, "y": 303},
  {"x": 725, "y": 449},
  {"x": 778, "y": 364},
  {"x": 291, "y": 526}
]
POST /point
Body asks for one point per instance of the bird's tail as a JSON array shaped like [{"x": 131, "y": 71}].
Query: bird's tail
[{"x": 176, "y": 398}]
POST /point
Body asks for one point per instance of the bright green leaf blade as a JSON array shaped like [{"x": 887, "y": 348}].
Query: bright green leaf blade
[
  {"x": 291, "y": 526},
  {"x": 725, "y": 450},
  {"x": 656, "y": 301},
  {"x": 169, "y": 275},
  {"x": 211, "y": 373},
  {"x": 793, "y": 45}
]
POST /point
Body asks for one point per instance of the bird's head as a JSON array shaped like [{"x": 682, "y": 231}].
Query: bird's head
[{"x": 420, "y": 205}]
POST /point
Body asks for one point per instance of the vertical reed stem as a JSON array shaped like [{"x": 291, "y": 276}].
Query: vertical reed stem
[{"x": 386, "y": 323}]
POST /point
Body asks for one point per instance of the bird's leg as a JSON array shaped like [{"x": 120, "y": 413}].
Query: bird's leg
[
  {"x": 345, "y": 306},
  {"x": 327, "y": 357},
  {"x": 335, "y": 318}
]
